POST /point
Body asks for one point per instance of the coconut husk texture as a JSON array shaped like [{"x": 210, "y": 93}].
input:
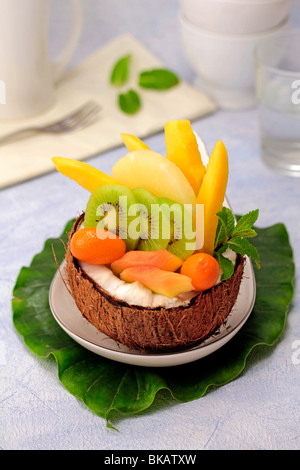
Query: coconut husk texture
[{"x": 152, "y": 329}]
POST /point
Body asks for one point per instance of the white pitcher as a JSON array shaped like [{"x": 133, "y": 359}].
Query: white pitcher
[{"x": 27, "y": 75}]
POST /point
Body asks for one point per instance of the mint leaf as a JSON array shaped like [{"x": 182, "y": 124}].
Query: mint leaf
[
  {"x": 226, "y": 266},
  {"x": 129, "y": 102},
  {"x": 225, "y": 226},
  {"x": 244, "y": 247},
  {"x": 158, "y": 79},
  {"x": 247, "y": 233},
  {"x": 228, "y": 220},
  {"x": 246, "y": 221},
  {"x": 120, "y": 71},
  {"x": 220, "y": 234}
]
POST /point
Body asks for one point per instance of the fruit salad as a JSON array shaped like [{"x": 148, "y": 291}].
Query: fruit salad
[{"x": 151, "y": 226}]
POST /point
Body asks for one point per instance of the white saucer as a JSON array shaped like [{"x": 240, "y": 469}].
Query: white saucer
[{"x": 77, "y": 327}]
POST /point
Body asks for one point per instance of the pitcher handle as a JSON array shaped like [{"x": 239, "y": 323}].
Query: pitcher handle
[{"x": 66, "y": 54}]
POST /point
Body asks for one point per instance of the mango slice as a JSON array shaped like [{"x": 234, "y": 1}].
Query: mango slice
[
  {"x": 182, "y": 149},
  {"x": 84, "y": 174},
  {"x": 212, "y": 193},
  {"x": 133, "y": 143},
  {"x": 162, "y": 259},
  {"x": 161, "y": 282}
]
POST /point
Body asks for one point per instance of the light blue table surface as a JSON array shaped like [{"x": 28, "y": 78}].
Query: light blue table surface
[{"x": 260, "y": 409}]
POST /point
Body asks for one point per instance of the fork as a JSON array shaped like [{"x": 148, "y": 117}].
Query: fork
[{"x": 74, "y": 121}]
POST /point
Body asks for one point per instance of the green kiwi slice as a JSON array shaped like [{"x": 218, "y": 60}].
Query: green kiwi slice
[
  {"x": 108, "y": 208},
  {"x": 183, "y": 239},
  {"x": 149, "y": 222}
]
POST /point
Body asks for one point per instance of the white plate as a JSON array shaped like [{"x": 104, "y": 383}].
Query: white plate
[{"x": 77, "y": 327}]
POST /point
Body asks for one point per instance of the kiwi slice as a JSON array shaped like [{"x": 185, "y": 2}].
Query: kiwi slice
[
  {"x": 182, "y": 238},
  {"x": 108, "y": 208},
  {"x": 149, "y": 222}
]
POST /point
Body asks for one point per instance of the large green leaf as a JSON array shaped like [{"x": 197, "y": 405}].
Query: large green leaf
[{"x": 105, "y": 385}]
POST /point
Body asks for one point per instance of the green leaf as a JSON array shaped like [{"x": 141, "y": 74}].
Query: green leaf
[
  {"x": 225, "y": 226},
  {"x": 246, "y": 221},
  {"x": 246, "y": 233},
  {"x": 104, "y": 385},
  {"x": 120, "y": 71},
  {"x": 244, "y": 247},
  {"x": 226, "y": 266},
  {"x": 158, "y": 79},
  {"x": 227, "y": 217},
  {"x": 129, "y": 102},
  {"x": 220, "y": 234}
]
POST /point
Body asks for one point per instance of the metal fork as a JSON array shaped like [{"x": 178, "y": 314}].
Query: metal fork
[{"x": 74, "y": 121}]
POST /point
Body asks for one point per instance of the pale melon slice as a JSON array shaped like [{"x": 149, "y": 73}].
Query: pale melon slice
[{"x": 152, "y": 171}]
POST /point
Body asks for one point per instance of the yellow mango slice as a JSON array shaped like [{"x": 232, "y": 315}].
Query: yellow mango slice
[
  {"x": 133, "y": 143},
  {"x": 84, "y": 174},
  {"x": 212, "y": 193},
  {"x": 182, "y": 149}
]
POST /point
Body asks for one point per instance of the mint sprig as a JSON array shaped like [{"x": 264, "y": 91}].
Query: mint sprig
[
  {"x": 234, "y": 236},
  {"x": 159, "y": 79}
]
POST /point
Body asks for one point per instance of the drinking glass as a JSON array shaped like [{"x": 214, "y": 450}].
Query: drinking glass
[{"x": 277, "y": 63}]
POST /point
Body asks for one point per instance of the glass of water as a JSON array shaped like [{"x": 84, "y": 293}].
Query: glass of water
[{"x": 277, "y": 61}]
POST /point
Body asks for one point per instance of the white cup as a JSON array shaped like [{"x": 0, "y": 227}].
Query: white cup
[
  {"x": 27, "y": 75},
  {"x": 236, "y": 16},
  {"x": 224, "y": 63}
]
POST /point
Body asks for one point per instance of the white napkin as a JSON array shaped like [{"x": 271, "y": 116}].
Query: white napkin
[{"x": 31, "y": 157}]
